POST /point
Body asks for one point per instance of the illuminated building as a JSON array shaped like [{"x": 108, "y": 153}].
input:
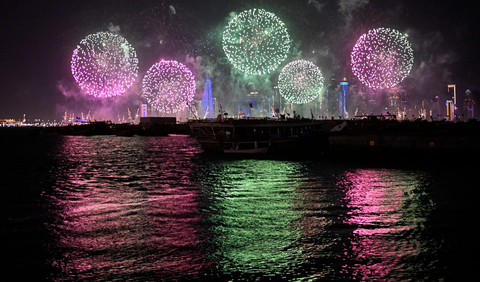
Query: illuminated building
[
  {"x": 144, "y": 110},
  {"x": 450, "y": 110},
  {"x": 207, "y": 102},
  {"x": 469, "y": 104},
  {"x": 452, "y": 94},
  {"x": 423, "y": 110},
  {"x": 342, "y": 98}
]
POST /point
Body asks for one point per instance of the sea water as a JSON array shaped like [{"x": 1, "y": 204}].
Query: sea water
[{"x": 105, "y": 208}]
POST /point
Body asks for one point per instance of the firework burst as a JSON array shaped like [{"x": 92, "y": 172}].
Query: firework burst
[
  {"x": 382, "y": 58},
  {"x": 256, "y": 42},
  {"x": 104, "y": 65},
  {"x": 168, "y": 86},
  {"x": 300, "y": 82}
]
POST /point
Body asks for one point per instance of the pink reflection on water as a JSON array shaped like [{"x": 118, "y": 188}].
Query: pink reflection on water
[
  {"x": 377, "y": 208},
  {"x": 376, "y": 202},
  {"x": 126, "y": 214}
]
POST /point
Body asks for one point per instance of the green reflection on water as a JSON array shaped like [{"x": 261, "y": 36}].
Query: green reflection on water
[{"x": 253, "y": 216}]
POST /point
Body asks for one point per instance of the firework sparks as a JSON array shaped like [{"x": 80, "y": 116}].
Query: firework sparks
[
  {"x": 300, "y": 82},
  {"x": 382, "y": 58},
  {"x": 104, "y": 64},
  {"x": 256, "y": 42},
  {"x": 168, "y": 86}
]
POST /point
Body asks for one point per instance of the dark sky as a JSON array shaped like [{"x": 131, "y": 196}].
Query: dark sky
[{"x": 38, "y": 38}]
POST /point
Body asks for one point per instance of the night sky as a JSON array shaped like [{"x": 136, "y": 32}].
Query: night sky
[{"x": 38, "y": 38}]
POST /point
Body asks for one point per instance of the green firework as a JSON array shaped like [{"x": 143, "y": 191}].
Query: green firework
[
  {"x": 300, "y": 82},
  {"x": 256, "y": 42}
]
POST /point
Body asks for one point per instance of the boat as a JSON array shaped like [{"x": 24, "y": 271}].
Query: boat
[
  {"x": 125, "y": 129},
  {"x": 87, "y": 129},
  {"x": 260, "y": 135},
  {"x": 161, "y": 126},
  {"x": 385, "y": 135},
  {"x": 246, "y": 151},
  {"x": 380, "y": 135}
]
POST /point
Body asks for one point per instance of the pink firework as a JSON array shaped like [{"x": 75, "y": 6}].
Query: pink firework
[
  {"x": 169, "y": 86},
  {"x": 382, "y": 58},
  {"x": 104, "y": 65}
]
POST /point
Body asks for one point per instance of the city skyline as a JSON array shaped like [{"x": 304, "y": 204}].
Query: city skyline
[{"x": 40, "y": 40}]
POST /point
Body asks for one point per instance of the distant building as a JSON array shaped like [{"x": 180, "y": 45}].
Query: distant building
[
  {"x": 357, "y": 105},
  {"x": 342, "y": 98},
  {"x": 9, "y": 122},
  {"x": 215, "y": 109},
  {"x": 144, "y": 110},
  {"x": 469, "y": 104},
  {"x": 207, "y": 102},
  {"x": 434, "y": 107},
  {"x": 331, "y": 98},
  {"x": 395, "y": 105},
  {"x": 452, "y": 94},
  {"x": 450, "y": 110}
]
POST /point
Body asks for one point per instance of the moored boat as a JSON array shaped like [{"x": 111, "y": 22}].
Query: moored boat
[
  {"x": 246, "y": 151},
  {"x": 371, "y": 135},
  {"x": 259, "y": 135},
  {"x": 125, "y": 129}
]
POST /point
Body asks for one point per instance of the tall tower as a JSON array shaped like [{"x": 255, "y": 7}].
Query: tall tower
[
  {"x": 452, "y": 94},
  {"x": 342, "y": 98},
  {"x": 469, "y": 104},
  {"x": 207, "y": 102},
  {"x": 450, "y": 110}
]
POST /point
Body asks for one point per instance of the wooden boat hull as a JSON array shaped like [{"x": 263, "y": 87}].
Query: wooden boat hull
[
  {"x": 259, "y": 135},
  {"x": 246, "y": 151}
]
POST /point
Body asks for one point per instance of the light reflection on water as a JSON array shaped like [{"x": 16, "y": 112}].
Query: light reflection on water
[
  {"x": 253, "y": 217},
  {"x": 385, "y": 208},
  {"x": 155, "y": 208},
  {"x": 126, "y": 208}
]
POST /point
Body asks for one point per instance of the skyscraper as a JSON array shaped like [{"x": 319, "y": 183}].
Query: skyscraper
[
  {"x": 342, "y": 98},
  {"x": 207, "y": 102},
  {"x": 452, "y": 94},
  {"x": 450, "y": 110},
  {"x": 469, "y": 104}
]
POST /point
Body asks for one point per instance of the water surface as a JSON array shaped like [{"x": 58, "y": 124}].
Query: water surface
[{"x": 105, "y": 208}]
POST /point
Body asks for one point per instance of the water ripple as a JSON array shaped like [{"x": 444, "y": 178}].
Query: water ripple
[{"x": 156, "y": 208}]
